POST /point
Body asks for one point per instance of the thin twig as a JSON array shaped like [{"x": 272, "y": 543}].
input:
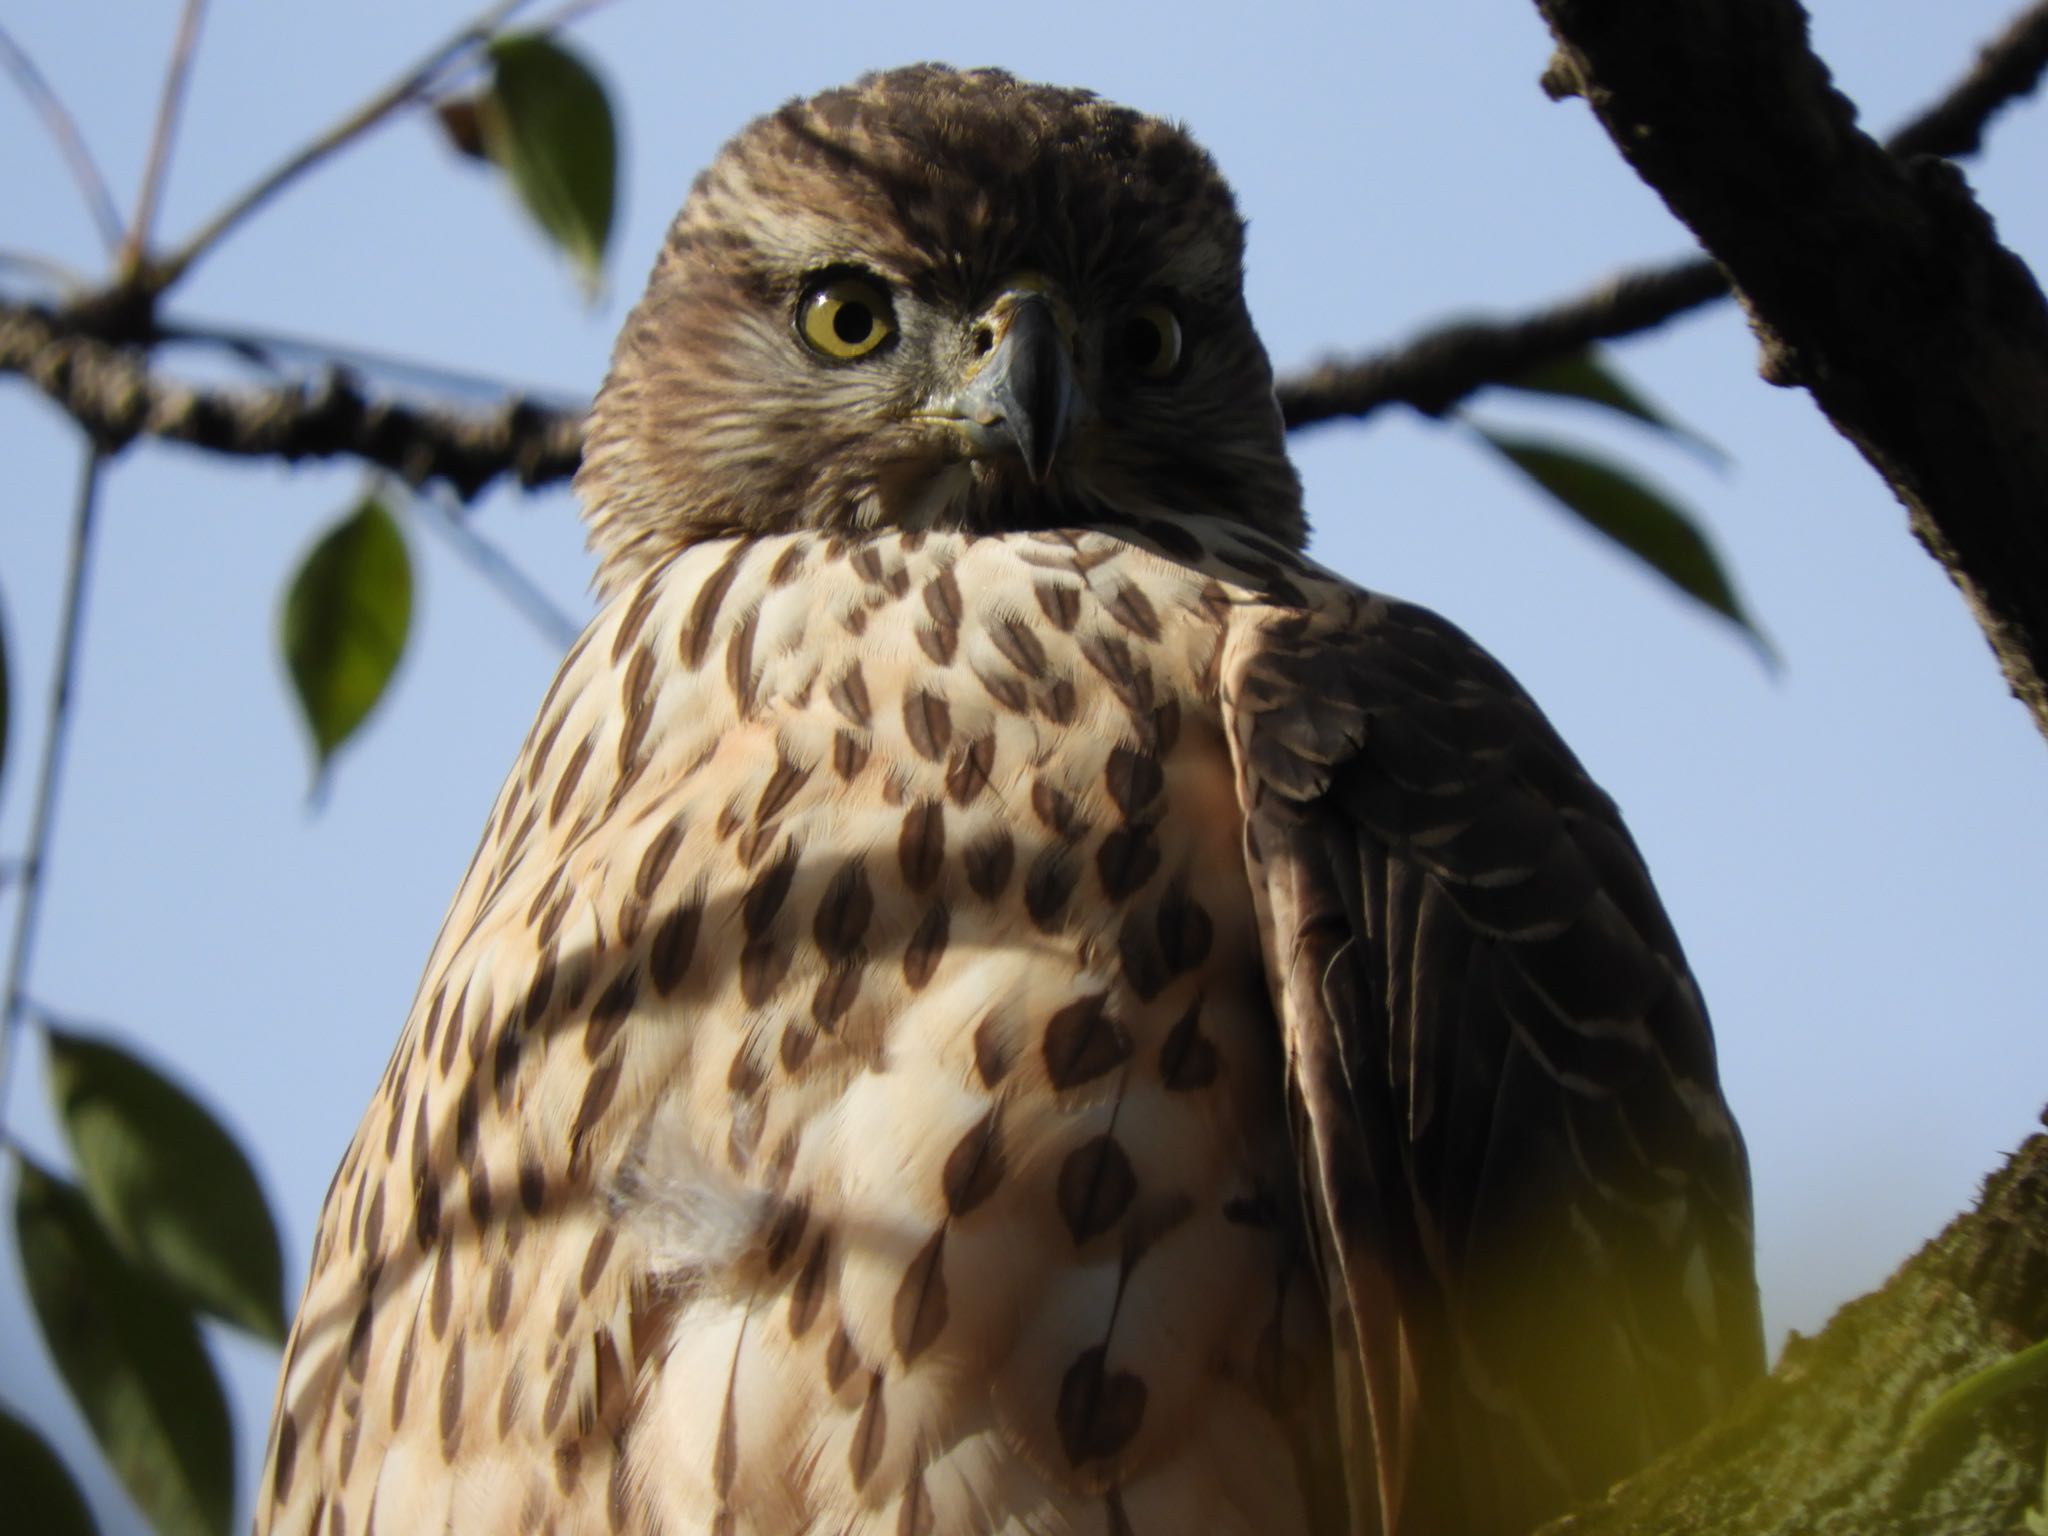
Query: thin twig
[
  {"x": 1436, "y": 370},
  {"x": 566, "y": 15},
  {"x": 403, "y": 91},
  {"x": 63, "y": 127},
  {"x": 168, "y": 106},
  {"x": 67, "y": 279},
  {"x": 490, "y": 562},
  {"x": 114, "y": 394},
  {"x": 34, "y": 870}
]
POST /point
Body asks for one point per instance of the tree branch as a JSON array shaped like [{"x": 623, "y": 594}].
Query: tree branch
[
  {"x": 112, "y": 392},
  {"x": 2007, "y": 68},
  {"x": 117, "y": 397},
  {"x": 1441, "y": 367},
  {"x": 1876, "y": 283},
  {"x": 1827, "y": 1441}
]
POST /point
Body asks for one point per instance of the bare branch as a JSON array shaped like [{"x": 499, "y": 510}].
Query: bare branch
[
  {"x": 527, "y": 599},
  {"x": 63, "y": 127},
  {"x": 168, "y": 106},
  {"x": 411, "y": 86},
  {"x": 114, "y": 394},
  {"x": 65, "y": 280},
  {"x": 34, "y": 869},
  {"x": 1876, "y": 283},
  {"x": 280, "y": 351},
  {"x": 1441, "y": 367},
  {"x": 2007, "y": 69},
  {"x": 111, "y": 391},
  {"x": 565, "y": 16}
]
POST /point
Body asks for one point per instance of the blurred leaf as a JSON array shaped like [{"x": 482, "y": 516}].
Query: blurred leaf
[
  {"x": 1586, "y": 376},
  {"x": 41, "y": 1496},
  {"x": 460, "y": 124},
  {"x": 2015, "y": 1373},
  {"x": 130, "y": 1352},
  {"x": 169, "y": 1182},
  {"x": 547, "y": 122},
  {"x": 1637, "y": 518},
  {"x": 345, "y": 622}
]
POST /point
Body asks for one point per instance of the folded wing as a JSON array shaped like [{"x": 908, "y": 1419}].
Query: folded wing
[{"x": 1531, "y": 1200}]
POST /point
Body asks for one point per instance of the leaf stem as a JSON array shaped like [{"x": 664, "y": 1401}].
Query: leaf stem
[{"x": 34, "y": 868}]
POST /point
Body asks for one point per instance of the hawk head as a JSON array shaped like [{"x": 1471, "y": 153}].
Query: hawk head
[{"x": 939, "y": 298}]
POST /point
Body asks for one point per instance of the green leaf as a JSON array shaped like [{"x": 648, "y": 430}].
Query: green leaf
[
  {"x": 169, "y": 1182},
  {"x": 41, "y": 1496},
  {"x": 345, "y": 622},
  {"x": 1586, "y": 376},
  {"x": 1641, "y": 521},
  {"x": 131, "y": 1354},
  {"x": 2015, "y": 1373},
  {"x": 547, "y": 122}
]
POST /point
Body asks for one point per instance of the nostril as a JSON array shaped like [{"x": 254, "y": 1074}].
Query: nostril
[{"x": 983, "y": 340}]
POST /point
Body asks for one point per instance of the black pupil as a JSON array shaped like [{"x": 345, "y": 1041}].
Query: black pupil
[
  {"x": 853, "y": 322},
  {"x": 1143, "y": 342}
]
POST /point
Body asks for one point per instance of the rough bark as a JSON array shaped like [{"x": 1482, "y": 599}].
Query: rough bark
[
  {"x": 1874, "y": 281},
  {"x": 1826, "y": 1445},
  {"x": 104, "y": 380}
]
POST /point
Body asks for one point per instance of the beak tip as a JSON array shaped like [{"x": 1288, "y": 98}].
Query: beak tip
[{"x": 1024, "y": 398}]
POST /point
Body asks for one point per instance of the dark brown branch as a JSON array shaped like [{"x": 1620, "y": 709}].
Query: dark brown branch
[
  {"x": 1441, "y": 367},
  {"x": 1877, "y": 283},
  {"x": 111, "y": 391},
  {"x": 2007, "y": 68}
]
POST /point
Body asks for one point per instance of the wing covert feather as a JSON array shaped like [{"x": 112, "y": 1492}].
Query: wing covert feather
[{"x": 1533, "y": 1200}]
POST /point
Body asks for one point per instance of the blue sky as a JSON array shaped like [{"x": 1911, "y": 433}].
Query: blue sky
[{"x": 1852, "y": 850}]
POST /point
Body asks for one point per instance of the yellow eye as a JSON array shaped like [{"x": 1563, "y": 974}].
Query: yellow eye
[
  {"x": 1151, "y": 341},
  {"x": 845, "y": 317}
]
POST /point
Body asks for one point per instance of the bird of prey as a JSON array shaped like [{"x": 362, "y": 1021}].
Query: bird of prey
[{"x": 999, "y": 996}]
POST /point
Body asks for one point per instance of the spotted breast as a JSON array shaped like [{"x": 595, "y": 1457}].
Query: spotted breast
[{"x": 845, "y": 1094}]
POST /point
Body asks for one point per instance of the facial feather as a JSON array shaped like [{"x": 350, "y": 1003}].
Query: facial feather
[{"x": 943, "y": 187}]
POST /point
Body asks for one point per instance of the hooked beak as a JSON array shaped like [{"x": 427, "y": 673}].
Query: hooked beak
[{"x": 1022, "y": 397}]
